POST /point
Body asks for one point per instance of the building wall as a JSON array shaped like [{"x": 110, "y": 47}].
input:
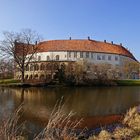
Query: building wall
[
  {"x": 74, "y": 56},
  {"x": 128, "y": 66}
]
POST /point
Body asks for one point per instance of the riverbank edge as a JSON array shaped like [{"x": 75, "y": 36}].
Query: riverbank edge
[
  {"x": 12, "y": 83},
  {"x": 127, "y": 82}
]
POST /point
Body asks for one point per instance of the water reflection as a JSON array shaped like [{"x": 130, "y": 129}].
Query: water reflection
[
  {"x": 86, "y": 102},
  {"x": 6, "y": 102}
]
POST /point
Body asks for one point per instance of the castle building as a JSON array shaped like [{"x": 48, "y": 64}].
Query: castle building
[{"x": 71, "y": 51}]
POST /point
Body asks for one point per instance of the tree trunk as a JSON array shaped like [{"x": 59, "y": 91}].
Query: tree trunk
[{"x": 22, "y": 76}]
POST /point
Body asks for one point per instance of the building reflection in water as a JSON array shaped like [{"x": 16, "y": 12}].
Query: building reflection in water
[{"x": 86, "y": 102}]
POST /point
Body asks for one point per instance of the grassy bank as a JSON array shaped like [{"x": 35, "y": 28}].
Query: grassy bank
[
  {"x": 17, "y": 83},
  {"x": 13, "y": 82},
  {"x": 128, "y": 82},
  {"x": 8, "y": 81}
]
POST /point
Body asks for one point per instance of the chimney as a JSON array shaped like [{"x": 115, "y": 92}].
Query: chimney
[
  {"x": 104, "y": 41},
  {"x": 88, "y": 38},
  {"x": 120, "y": 44},
  {"x": 111, "y": 42},
  {"x": 70, "y": 38},
  {"x": 15, "y": 41},
  {"x": 35, "y": 42}
]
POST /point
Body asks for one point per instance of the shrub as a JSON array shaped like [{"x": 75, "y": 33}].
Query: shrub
[{"x": 130, "y": 129}]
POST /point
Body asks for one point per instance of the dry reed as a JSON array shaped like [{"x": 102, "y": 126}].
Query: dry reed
[
  {"x": 60, "y": 125},
  {"x": 129, "y": 131},
  {"x": 9, "y": 128}
]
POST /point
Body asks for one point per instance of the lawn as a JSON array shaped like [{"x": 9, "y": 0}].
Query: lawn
[
  {"x": 8, "y": 81},
  {"x": 128, "y": 82}
]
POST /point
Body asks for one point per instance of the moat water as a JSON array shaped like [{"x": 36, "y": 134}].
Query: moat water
[{"x": 92, "y": 103}]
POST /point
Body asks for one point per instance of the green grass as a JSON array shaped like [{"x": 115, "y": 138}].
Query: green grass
[
  {"x": 128, "y": 82},
  {"x": 9, "y": 81}
]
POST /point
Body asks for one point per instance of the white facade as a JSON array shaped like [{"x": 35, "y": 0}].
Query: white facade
[
  {"x": 40, "y": 58},
  {"x": 92, "y": 57}
]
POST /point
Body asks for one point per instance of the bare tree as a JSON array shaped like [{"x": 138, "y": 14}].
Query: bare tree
[
  {"x": 86, "y": 72},
  {"x": 131, "y": 69},
  {"x": 21, "y": 46},
  {"x": 6, "y": 68}
]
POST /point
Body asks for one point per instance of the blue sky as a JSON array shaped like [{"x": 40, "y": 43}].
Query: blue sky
[{"x": 113, "y": 20}]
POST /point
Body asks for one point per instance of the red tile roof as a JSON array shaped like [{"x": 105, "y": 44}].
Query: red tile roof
[{"x": 83, "y": 45}]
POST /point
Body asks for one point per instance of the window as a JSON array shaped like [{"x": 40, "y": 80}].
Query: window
[
  {"x": 42, "y": 77},
  {"x": 49, "y": 66},
  {"x": 31, "y": 77},
  {"x": 48, "y": 58},
  {"x": 36, "y": 67},
  {"x": 42, "y": 67},
  {"x": 109, "y": 57},
  {"x": 33, "y": 58},
  {"x": 36, "y": 76},
  {"x": 69, "y": 54},
  {"x": 81, "y": 54},
  {"x": 87, "y": 54},
  {"x": 39, "y": 58},
  {"x": 27, "y": 68},
  {"x": 31, "y": 67},
  {"x": 103, "y": 57},
  {"x": 26, "y": 77},
  {"x": 57, "y": 57},
  {"x": 91, "y": 55},
  {"x": 55, "y": 66},
  {"x": 116, "y": 58},
  {"x": 75, "y": 54},
  {"x": 98, "y": 57}
]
